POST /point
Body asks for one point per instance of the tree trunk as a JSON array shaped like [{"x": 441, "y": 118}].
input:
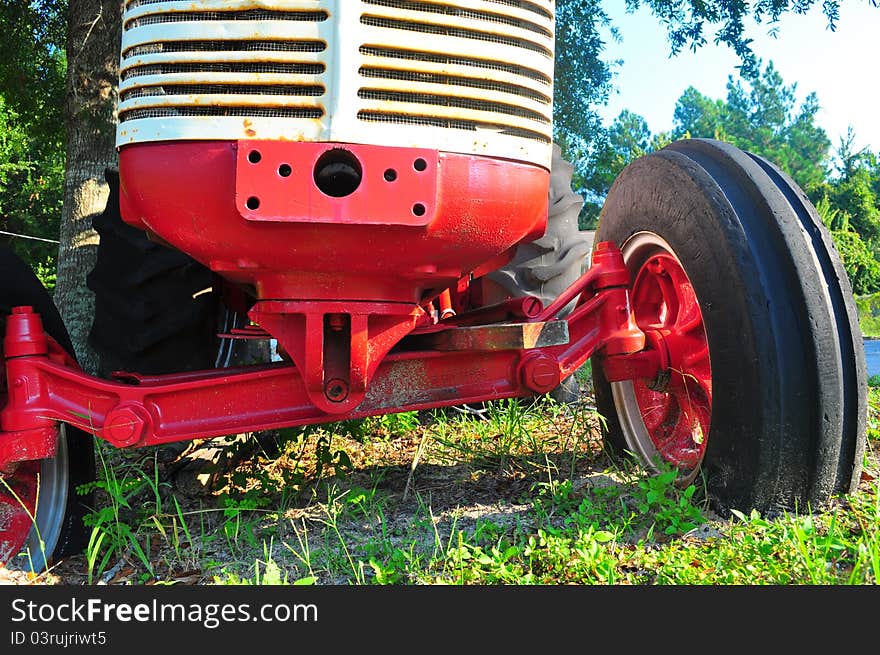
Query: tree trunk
[{"x": 93, "y": 39}]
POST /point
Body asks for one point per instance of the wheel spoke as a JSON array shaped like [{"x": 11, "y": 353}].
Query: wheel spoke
[
  {"x": 649, "y": 299},
  {"x": 689, "y": 318},
  {"x": 698, "y": 358},
  {"x": 655, "y": 407}
]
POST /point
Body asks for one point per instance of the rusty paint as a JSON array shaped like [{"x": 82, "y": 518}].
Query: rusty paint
[{"x": 509, "y": 336}]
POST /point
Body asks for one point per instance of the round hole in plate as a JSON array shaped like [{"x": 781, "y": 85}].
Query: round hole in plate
[
  {"x": 419, "y": 209},
  {"x": 253, "y": 203},
  {"x": 390, "y": 175},
  {"x": 420, "y": 164},
  {"x": 285, "y": 170},
  {"x": 254, "y": 156},
  {"x": 338, "y": 173}
]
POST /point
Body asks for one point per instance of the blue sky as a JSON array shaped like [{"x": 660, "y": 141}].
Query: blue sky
[{"x": 842, "y": 67}]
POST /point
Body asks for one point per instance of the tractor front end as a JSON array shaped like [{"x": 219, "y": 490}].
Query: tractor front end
[
  {"x": 373, "y": 185},
  {"x": 346, "y": 163}
]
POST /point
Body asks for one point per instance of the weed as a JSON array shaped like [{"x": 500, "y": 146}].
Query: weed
[
  {"x": 115, "y": 525},
  {"x": 672, "y": 509},
  {"x": 266, "y": 572}
]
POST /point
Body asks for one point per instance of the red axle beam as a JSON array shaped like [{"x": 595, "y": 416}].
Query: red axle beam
[{"x": 45, "y": 388}]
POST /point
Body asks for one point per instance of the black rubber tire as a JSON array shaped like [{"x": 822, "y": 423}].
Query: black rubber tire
[
  {"x": 547, "y": 266},
  {"x": 787, "y": 358},
  {"x": 21, "y": 287},
  {"x": 149, "y": 315}
]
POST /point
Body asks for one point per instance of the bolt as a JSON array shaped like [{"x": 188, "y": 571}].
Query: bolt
[
  {"x": 539, "y": 372},
  {"x": 336, "y": 390},
  {"x": 532, "y": 306},
  {"x": 336, "y": 322},
  {"x": 124, "y": 426},
  {"x": 656, "y": 266},
  {"x": 543, "y": 374}
]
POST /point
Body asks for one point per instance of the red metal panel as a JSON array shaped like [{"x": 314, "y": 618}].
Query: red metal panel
[
  {"x": 397, "y": 186},
  {"x": 186, "y": 194}
]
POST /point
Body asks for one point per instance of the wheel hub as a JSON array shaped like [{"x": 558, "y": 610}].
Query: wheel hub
[{"x": 667, "y": 416}]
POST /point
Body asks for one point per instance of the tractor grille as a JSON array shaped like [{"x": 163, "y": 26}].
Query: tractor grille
[
  {"x": 488, "y": 67},
  {"x": 178, "y": 60},
  {"x": 472, "y": 76}
]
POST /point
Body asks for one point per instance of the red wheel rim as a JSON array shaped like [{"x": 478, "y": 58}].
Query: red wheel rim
[{"x": 676, "y": 407}]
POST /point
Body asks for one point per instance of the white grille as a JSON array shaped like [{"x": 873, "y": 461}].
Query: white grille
[{"x": 471, "y": 76}]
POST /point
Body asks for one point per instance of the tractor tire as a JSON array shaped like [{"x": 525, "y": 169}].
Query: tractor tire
[
  {"x": 765, "y": 393},
  {"x": 50, "y": 484},
  {"x": 547, "y": 266},
  {"x": 153, "y": 314},
  {"x": 544, "y": 268}
]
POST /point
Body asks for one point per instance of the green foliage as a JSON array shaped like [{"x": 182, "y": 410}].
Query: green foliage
[
  {"x": 854, "y": 192},
  {"x": 761, "y": 117},
  {"x": 597, "y": 527},
  {"x": 116, "y": 524},
  {"x": 32, "y": 70},
  {"x": 583, "y": 80},
  {"x": 869, "y": 314},
  {"x": 267, "y": 572},
  {"x": 861, "y": 266},
  {"x": 627, "y": 139},
  {"x": 850, "y": 207},
  {"x": 582, "y": 84},
  {"x": 687, "y": 20},
  {"x": 673, "y": 509}
]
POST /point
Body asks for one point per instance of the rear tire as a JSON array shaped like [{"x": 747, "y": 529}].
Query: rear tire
[
  {"x": 546, "y": 267},
  {"x": 153, "y": 314},
  {"x": 787, "y": 384}
]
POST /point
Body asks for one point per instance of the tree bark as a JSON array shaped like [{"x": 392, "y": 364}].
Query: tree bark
[{"x": 93, "y": 40}]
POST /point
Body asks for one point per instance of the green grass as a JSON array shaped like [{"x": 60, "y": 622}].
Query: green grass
[{"x": 526, "y": 496}]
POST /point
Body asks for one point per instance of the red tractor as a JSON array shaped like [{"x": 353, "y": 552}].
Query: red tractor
[{"x": 372, "y": 184}]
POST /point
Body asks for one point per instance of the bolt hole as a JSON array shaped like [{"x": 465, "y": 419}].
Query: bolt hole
[
  {"x": 390, "y": 175},
  {"x": 254, "y": 156},
  {"x": 420, "y": 164},
  {"x": 285, "y": 170},
  {"x": 338, "y": 173},
  {"x": 253, "y": 203},
  {"x": 419, "y": 209}
]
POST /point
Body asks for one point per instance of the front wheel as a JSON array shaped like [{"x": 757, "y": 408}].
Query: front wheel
[
  {"x": 735, "y": 280},
  {"x": 41, "y": 511}
]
